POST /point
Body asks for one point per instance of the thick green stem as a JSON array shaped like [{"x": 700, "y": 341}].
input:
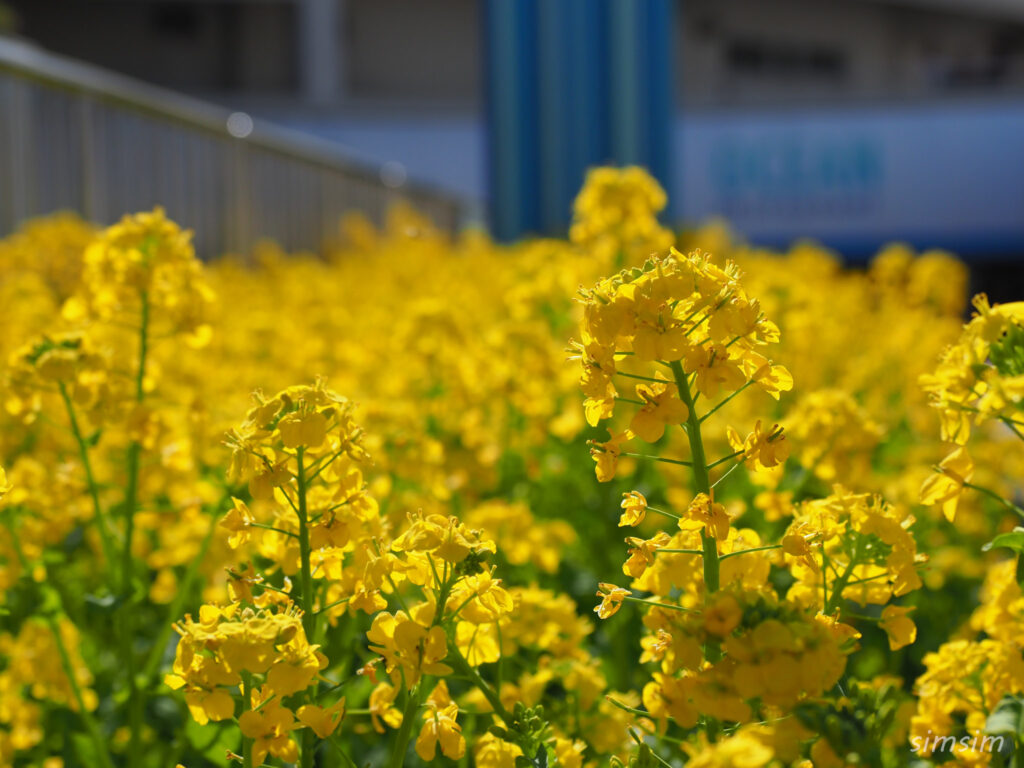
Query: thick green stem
[
  {"x": 307, "y": 597},
  {"x": 131, "y": 502},
  {"x": 1019, "y": 751},
  {"x": 401, "y": 745},
  {"x": 99, "y": 743},
  {"x": 462, "y": 666},
  {"x": 702, "y": 484},
  {"x": 152, "y": 666},
  {"x": 701, "y": 481},
  {"x": 842, "y": 582},
  {"x": 83, "y": 450},
  {"x": 459, "y": 664},
  {"x": 246, "y": 704}
]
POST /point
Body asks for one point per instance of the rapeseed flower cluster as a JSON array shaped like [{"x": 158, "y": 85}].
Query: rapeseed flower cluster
[
  {"x": 394, "y": 564},
  {"x": 730, "y": 647},
  {"x": 975, "y": 681}
]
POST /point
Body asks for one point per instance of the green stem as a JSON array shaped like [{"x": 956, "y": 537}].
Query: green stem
[
  {"x": 992, "y": 494},
  {"x": 1012, "y": 425},
  {"x": 668, "y": 551},
  {"x": 16, "y": 545},
  {"x": 401, "y": 745},
  {"x": 127, "y": 618},
  {"x": 91, "y": 726},
  {"x": 639, "y": 378},
  {"x": 702, "y": 484},
  {"x": 724, "y": 459},
  {"x": 861, "y": 617},
  {"x": 341, "y": 752},
  {"x": 499, "y": 667},
  {"x": 306, "y": 586},
  {"x": 463, "y": 667},
  {"x": 657, "y": 511},
  {"x": 131, "y": 501},
  {"x": 130, "y": 504},
  {"x": 727, "y": 472},
  {"x": 328, "y": 607},
  {"x": 625, "y": 707},
  {"x": 307, "y": 597},
  {"x": 824, "y": 578},
  {"x": 701, "y": 481},
  {"x": 444, "y": 588},
  {"x": 152, "y": 666},
  {"x": 629, "y": 400},
  {"x": 855, "y": 582},
  {"x": 746, "y": 551},
  {"x": 655, "y": 604},
  {"x": 83, "y": 451},
  {"x": 321, "y": 465},
  {"x": 842, "y": 582},
  {"x": 808, "y": 476},
  {"x": 677, "y": 462},
  {"x": 281, "y": 531},
  {"x": 99, "y": 743},
  {"x": 246, "y": 704},
  {"x": 725, "y": 401},
  {"x": 1008, "y": 420}
]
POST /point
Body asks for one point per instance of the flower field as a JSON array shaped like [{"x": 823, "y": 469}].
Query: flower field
[{"x": 630, "y": 498}]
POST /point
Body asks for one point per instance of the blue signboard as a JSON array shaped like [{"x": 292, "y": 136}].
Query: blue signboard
[{"x": 949, "y": 176}]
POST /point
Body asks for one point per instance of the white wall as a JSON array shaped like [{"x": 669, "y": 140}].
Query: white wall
[{"x": 948, "y": 175}]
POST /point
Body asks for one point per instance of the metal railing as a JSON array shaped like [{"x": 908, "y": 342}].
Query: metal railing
[{"x": 73, "y": 136}]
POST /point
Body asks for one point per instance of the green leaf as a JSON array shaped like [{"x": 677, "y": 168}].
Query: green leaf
[
  {"x": 1013, "y": 540},
  {"x": 104, "y": 605},
  {"x": 645, "y": 757},
  {"x": 49, "y": 603},
  {"x": 85, "y": 749},
  {"x": 1007, "y": 354},
  {"x": 1006, "y": 717},
  {"x": 212, "y": 740}
]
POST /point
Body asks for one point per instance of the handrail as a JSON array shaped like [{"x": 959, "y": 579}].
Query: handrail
[{"x": 35, "y": 85}]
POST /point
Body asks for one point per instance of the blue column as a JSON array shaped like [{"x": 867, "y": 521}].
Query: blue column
[
  {"x": 571, "y": 84},
  {"x": 513, "y": 160}
]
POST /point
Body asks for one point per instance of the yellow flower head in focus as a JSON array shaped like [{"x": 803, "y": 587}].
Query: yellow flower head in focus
[
  {"x": 616, "y": 212},
  {"x": 947, "y": 485},
  {"x": 145, "y": 266},
  {"x": 611, "y": 600}
]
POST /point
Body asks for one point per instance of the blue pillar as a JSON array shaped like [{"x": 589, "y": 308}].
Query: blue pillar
[{"x": 571, "y": 84}]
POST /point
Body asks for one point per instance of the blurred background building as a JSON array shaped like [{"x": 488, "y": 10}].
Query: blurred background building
[{"x": 851, "y": 121}]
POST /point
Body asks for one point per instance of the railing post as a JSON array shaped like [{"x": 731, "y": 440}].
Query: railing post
[
  {"x": 127, "y": 135},
  {"x": 89, "y": 150},
  {"x": 19, "y": 192}
]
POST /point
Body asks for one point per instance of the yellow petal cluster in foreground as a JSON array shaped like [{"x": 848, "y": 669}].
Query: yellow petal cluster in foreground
[{"x": 354, "y": 506}]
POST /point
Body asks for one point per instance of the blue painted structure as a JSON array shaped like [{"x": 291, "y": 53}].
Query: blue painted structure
[
  {"x": 942, "y": 175},
  {"x": 570, "y": 84},
  {"x": 937, "y": 175}
]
